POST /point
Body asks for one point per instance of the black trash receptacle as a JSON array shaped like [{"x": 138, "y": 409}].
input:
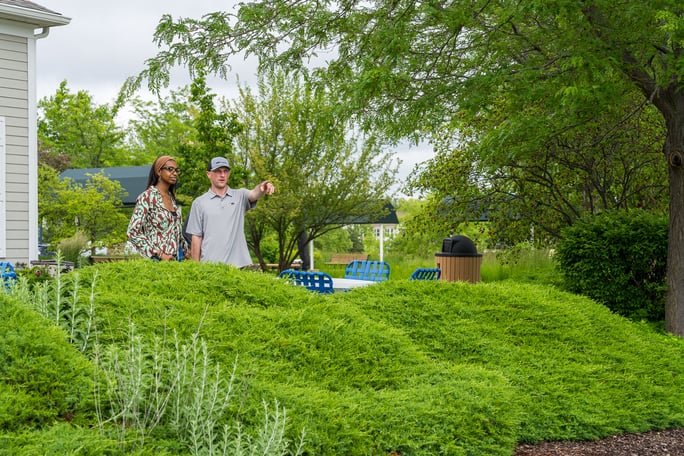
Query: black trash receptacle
[{"x": 459, "y": 260}]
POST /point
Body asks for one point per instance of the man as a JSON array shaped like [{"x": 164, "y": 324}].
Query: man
[{"x": 217, "y": 218}]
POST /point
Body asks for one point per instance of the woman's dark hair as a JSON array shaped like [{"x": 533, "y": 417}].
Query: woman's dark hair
[{"x": 153, "y": 177}]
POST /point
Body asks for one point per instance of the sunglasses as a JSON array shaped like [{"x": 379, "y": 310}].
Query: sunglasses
[{"x": 171, "y": 169}]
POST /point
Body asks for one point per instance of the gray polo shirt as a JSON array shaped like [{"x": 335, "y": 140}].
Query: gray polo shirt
[{"x": 220, "y": 222}]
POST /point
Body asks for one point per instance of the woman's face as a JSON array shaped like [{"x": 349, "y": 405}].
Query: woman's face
[{"x": 169, "y": 172}]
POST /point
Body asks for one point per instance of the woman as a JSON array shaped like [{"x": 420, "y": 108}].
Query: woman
[{"x": 155, "y": 229}]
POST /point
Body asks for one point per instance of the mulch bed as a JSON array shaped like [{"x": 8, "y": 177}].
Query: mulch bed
[{"x": 655, "y": 443}]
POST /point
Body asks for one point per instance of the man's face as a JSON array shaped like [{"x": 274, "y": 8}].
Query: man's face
[{"x": 219, "y": 177}]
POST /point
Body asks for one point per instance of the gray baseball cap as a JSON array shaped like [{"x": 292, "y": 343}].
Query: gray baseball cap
[{"x": 216, "y": 163}]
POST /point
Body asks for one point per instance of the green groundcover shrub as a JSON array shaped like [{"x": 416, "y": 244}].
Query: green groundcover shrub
[
  {"x": 418, "y": 368},
  {"x": 44, "y": 379},
  {"x": 619, "y": 259},
  {"x": 61, "y": 439}
]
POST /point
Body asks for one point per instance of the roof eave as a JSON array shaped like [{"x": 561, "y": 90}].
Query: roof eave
[{"x": 33, "y": 17}]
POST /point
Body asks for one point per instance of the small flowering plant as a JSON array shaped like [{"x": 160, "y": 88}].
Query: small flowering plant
[{"x": 34, "y": 275}]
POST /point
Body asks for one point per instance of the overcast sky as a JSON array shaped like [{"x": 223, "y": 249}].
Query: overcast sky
[{"x": 107, "y": 42}]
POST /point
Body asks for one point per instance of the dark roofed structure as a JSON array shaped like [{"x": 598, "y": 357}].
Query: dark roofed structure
[
  {"x": 389, "y": 218},
  {"x": 133, "y": 179}
]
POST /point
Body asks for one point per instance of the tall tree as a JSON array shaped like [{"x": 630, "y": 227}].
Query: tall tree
[
  {"x": 187, "y": 125},
  {"x": 586, "y": 170},
  {"x": 407, "y": 67},
  {"x": 216, "y": 131},
  {"x": 324, "y": 175},
  {"x": 72, "y": 125},
  {"x": 164, "y": 126}
]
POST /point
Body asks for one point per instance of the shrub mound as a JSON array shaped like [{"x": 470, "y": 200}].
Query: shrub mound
[
  {"x": 415, "y": 368},
  {"x": 43, "y": 379}
]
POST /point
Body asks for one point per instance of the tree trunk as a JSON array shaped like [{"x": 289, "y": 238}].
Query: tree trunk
[{"x": 674, "y": 153}]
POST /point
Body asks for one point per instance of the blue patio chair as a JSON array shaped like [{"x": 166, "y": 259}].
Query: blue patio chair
[
  {"x": 311, "y": 280},
  {"x": 7, "y": 273},
  {"x": 376, "y": 271},
  {"x": 426, "y": 274}
]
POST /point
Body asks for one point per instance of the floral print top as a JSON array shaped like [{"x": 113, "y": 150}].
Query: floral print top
[{"x": 153, "y": 228}]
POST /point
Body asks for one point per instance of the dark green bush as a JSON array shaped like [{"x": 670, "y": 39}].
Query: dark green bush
[
  {"x": 269, "y": 249},
  {"x": 618, "y": 259}
]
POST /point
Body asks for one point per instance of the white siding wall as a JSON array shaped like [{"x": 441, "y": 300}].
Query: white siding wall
[
  {"x": 14, "y": 108},
  {"x": 3, "y": 190}
]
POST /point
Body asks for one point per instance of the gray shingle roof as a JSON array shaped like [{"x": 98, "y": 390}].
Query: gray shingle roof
[{"x": 27, "y": 4}]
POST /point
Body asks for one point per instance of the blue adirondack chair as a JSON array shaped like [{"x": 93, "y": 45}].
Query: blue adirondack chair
[
  {"x": 376, "y": 271},
  {"x": 312, "y": 280},
  {"x": 7, "y": 273},
  {"x": 426, "y": 274}
]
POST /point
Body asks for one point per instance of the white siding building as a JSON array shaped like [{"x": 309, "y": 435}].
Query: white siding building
[{"x": 22, "y": 23}]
